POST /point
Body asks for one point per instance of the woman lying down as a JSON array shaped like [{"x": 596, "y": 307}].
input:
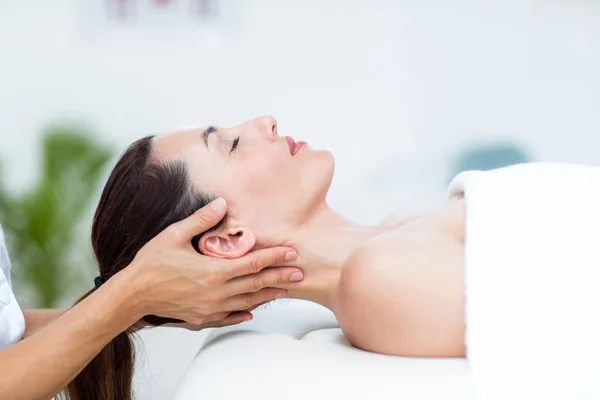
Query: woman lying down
[{"x": 503, "y": 272}]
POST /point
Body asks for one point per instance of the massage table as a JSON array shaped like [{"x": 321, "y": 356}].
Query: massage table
[{"x": 294, "y": 349}]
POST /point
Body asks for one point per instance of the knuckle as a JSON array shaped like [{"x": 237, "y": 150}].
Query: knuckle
[
  {"x": 195, "y": 319},
  {"x": 272, "y": 277},
  {"x": 256, "y": 283},
  {"x": 280, "y": 279},
  {"x": 256, "y": 265},
  {"x": 211, "y": 318},
  {"x": 247, "y": 302},
  {"x": 202, "y": 312},
  {"x": 276, "y": 258},
  {"x": 176, "y": 234}
]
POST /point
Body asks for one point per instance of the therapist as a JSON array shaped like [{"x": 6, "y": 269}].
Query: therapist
[{"x": 41, "y": 351}]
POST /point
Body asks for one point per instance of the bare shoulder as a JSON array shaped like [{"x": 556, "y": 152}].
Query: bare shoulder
[
  {"x": 401, "y": 294},
  {"x": 410, "y": 249}
]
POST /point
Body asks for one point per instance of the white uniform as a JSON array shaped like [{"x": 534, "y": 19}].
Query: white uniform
[{"x": 12, "y": 322}]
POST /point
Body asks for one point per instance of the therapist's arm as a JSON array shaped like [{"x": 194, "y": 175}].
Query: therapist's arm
[
  {"x": 167, "y": 278},
  {"x": 43, "y": 364},
  {"x": 37, "y": 319}
]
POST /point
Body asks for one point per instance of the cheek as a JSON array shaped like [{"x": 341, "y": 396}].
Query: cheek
[
  {"x": 263, "y": 185},
  {"x": 263, "y": 176}
]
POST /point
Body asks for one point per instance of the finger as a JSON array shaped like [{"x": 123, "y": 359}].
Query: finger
[
  {"x": 200, "y": 221},
  {"x": 233, "y": 319},
  {"x": 208, "y": 320},
  {"x": 216, "y": 317},
  {"x": 246, "y": 301},
  {"x": 268, "y": 277},
  {"x": 185, "y": 325},
  {"x": 256, "y": 261}
]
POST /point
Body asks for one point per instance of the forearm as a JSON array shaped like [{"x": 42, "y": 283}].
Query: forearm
[
  {"x": 35, "y": 320},
  {"x": 57, "y": 353}
]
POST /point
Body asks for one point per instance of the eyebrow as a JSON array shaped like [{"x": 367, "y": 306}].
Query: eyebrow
[{"x": 210, "y": 129}]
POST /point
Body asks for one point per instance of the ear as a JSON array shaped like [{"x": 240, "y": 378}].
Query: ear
[{"x": 232, "y": 242}]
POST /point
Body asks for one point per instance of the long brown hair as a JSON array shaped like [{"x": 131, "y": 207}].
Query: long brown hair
[{"x": 140, "y": 199}]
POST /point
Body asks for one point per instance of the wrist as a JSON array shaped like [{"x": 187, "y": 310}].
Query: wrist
[{"x": 126, "y": 295}]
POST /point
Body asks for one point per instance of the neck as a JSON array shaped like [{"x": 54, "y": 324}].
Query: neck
[{"x": 324, "y": 243}]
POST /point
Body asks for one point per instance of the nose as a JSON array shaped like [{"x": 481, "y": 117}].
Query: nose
[
  {"x": 267, "y": 125},
  {"x": 264, "y": 127}
]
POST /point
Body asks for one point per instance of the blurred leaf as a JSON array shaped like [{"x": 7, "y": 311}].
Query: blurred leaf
[{"x": 42, "y": 223}]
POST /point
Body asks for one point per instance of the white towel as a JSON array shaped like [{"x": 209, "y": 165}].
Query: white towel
[{"x": 532, "y": 281}]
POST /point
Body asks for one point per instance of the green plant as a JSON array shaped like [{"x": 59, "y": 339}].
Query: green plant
[{"x": 49, "y": 252}]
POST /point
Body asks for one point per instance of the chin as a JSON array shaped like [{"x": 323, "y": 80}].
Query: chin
[
  {"x": 316, "y": 179},
  {"x": 322, "y": 172},
  {"x": 331, "y": 164}
]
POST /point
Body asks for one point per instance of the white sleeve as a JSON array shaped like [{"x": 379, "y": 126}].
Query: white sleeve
[{"x": 12, "y": 321}]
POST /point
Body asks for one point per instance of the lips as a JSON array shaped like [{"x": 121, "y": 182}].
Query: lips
[{"x": 293, "y": 145}]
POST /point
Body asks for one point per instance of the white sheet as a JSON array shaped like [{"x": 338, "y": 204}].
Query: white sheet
[{"x": 533, "y": 281}]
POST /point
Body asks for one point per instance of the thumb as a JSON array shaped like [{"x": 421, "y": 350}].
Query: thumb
[{"x": 202, "y": 220}]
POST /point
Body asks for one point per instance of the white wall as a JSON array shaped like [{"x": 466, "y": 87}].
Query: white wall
[{"x": 393, "y": 88}]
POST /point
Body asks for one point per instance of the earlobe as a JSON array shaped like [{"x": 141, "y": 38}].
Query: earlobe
[{"x": 227, "y": 243}]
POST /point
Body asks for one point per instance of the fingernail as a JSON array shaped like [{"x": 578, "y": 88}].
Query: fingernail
[
  {"x": 296, "y": 276},
  {"x": 249, "y": 318},
  {"x": 290, "y": 255},
  {"x": 280, "y": 295},
  {"x": 218, "y": 205}
]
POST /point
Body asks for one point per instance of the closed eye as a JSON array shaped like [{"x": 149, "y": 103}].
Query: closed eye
[{"x": 235, "y": 143}]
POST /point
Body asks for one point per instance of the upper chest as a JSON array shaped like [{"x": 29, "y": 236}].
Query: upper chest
[{"x": 448, "y": 219}]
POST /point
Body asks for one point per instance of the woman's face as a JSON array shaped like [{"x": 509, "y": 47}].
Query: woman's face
[{"x": 269, "y": 182}]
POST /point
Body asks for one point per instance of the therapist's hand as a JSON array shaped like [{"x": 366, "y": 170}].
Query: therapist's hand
[{"x": 172, "y": 280}]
